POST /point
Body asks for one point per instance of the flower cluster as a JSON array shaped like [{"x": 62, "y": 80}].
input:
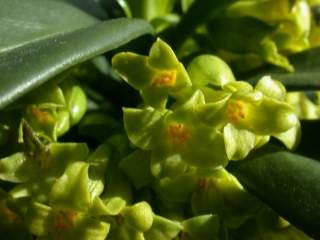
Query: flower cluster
[{"x": 191, "y": 123}]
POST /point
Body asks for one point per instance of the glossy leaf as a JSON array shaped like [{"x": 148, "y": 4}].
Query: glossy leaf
[
  {"x": 23, "y": 22},
  {"x": 287, "y": 182},
  {"x": 24, "y": 68}
]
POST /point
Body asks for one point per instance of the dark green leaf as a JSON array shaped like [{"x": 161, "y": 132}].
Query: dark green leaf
[
  {"x": 199, "y": 12},
  {"x": 26, "y": 67},
  {"x": 305, "y": 77},
  {"x": 240, "y": 35},
  {"x": 22, "y": 22},
  {"x": 309, "y": 144},
  {"x": 93, "y": 7},
  {"x": 287, "y": 182}
]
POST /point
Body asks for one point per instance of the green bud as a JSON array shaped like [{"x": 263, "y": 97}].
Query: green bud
[
  {"x": 209, "y": 69},
  {"x": 76, "y": 102},
  {"x": 63, "y": 122}
]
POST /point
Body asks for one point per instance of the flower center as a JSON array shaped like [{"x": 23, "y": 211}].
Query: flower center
[
  {"x": 164, "y": 79},
  {"x": 178, "y": 133},
  {"x": 64, "y": 220},
  {"x": 235, "y": 111},
  {"x": 42, "y": 116}
]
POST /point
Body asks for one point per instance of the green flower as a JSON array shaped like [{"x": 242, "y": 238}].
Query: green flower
[
  {"x": 52, "y": 112},
  {"x": 177, "y": 138},
  {"x": 54, "y": 223},
  {"x": 156, "y": 76},
  {"x": 223, "y": 195},
  {"x": 291, "y": 21},
  {"x": 247, "y": 116}
]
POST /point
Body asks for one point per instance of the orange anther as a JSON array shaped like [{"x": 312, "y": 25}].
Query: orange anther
[
  {"x": 12, "y": 216},
  {"x": 178, "y": 133},
  {"x": 41, "y": 115},
  {"x": 164, "y": 79},
  {"x": 235, "y": 111},
  {"x": 64, "y": 220}
]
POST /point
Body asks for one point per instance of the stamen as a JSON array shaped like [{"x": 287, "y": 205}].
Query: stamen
[
  {"x": 235, "y": 111},
  {"x": 178, "y": 133},
  {"x": 164, "y": 79},
  {"x": 64, "y": 220},
  {"x": 41, "y": 115}
]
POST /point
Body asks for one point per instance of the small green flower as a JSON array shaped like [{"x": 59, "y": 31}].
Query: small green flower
[
  {"x": 222, "y": 194},
  {"x": 54, "y": 223},
  {"x": 175, "y": 137},
  {"x": 156, "y": 76},
  {"x": 292, "y": 26},
  {"x": 244, "y": 113}
]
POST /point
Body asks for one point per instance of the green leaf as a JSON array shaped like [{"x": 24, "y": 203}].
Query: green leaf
[
  {"x": 287, "y": 182},
  {"x": 23, "y": 22},
  {"x": 199, "y": 12},
  {"x": 231, "y": 34},
  {"x": 26, "y": 67},
  {"x": 305, "y": 77}
]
